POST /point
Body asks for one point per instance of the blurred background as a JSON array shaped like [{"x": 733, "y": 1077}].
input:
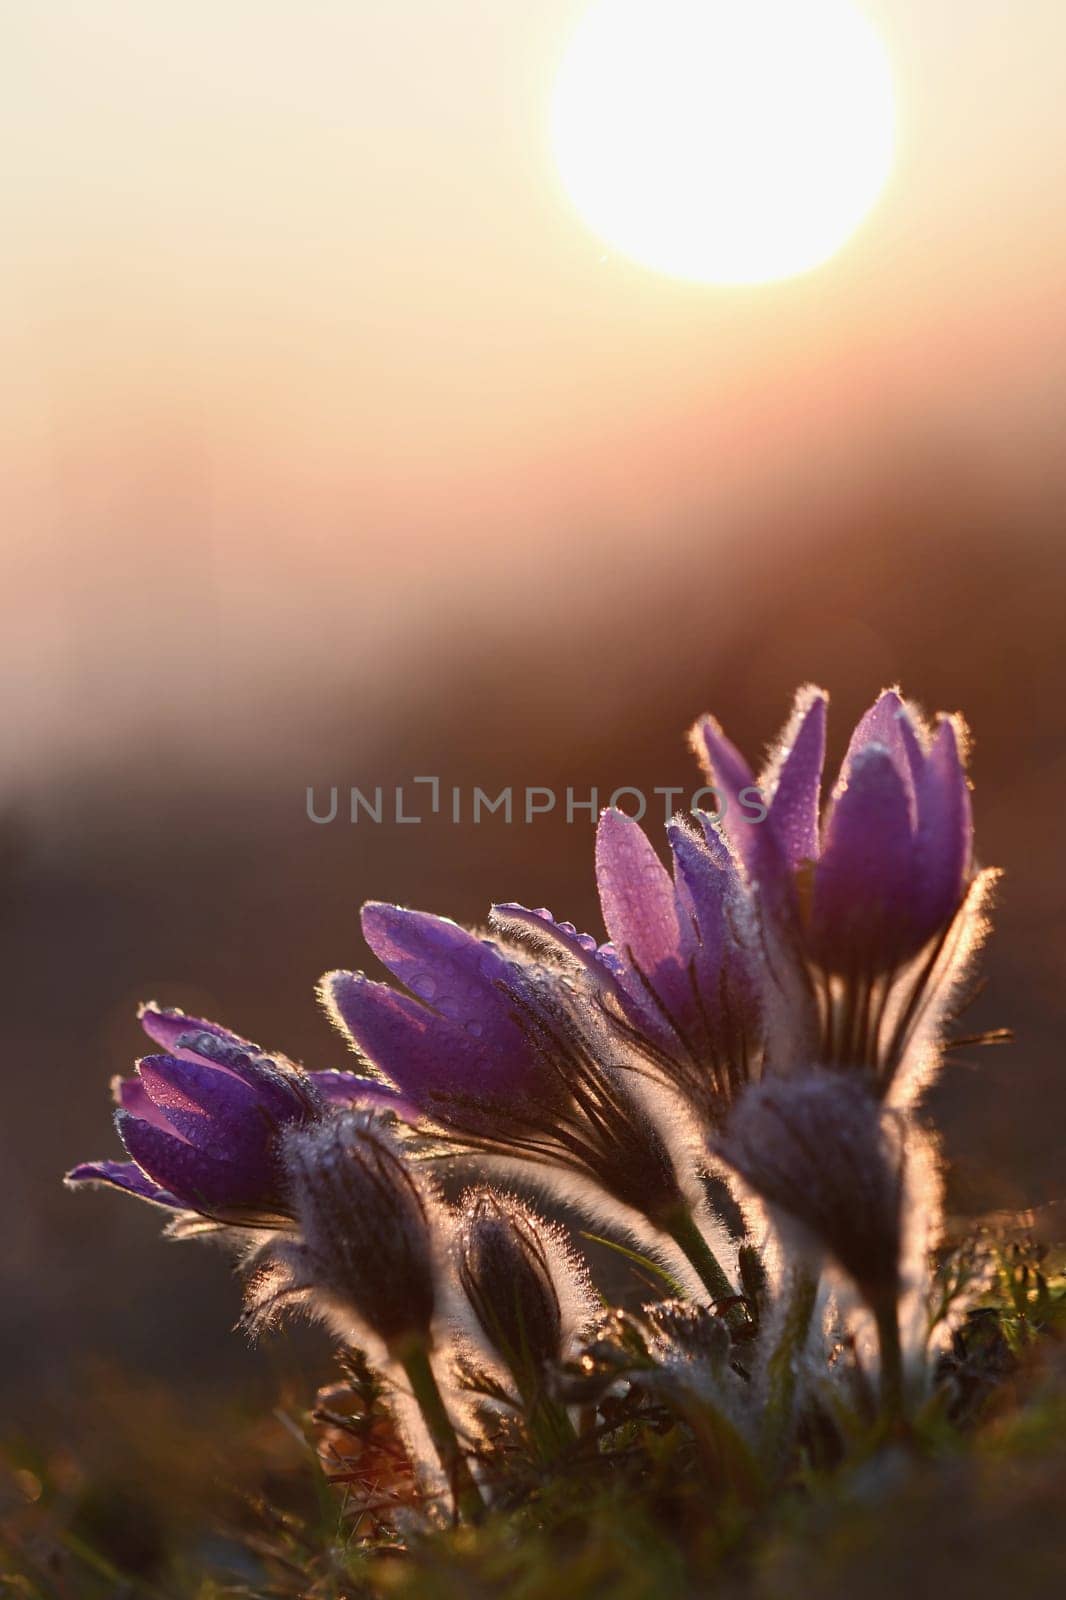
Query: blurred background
[{"x": 336, "y": 450}]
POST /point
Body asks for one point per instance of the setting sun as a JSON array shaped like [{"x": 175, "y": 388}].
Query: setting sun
[{"x": 721, "y": 142}]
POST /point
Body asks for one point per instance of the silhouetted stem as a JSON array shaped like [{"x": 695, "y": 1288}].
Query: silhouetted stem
[
  {"x": 681, "y": 1226},
  {"x": 549, "y": 1425},
  {"x": 725, "y": 1451},
  {"x": 414, "y": 1359},
  {"x": 781, "y": 1368},
  {"x": 887, "y": 1315}
]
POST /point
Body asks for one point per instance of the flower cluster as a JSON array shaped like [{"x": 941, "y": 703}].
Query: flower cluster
[{"x": 728, "y": 1082}]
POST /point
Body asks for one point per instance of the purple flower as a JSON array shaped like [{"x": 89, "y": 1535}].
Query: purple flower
[
  {"x": 688, "y": 982},
  {"x": 507, "y": 1053},
  {"x": 678, "y": 971},
  {"x": 528, "y": 1291},
  {"x": 368, "y": 1251},
  {"x": 829, "y": 1161},
  {"x": 888, "y": 868},
  {"x": 860, "y": 894},
  {"x": 202, "y": 1121},
  {"x": 452, "y": 1043}
]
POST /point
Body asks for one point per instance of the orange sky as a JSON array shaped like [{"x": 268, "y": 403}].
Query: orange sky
[{"x": 300, "y": 335}]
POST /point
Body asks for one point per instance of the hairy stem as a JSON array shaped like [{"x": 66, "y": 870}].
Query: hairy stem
[
  {"x": 781, "y": 1367},
  {"x": 550, "y": 1426},
  {"x": 414, "y": 1359},
  {"x": 682, "y": 1228},
  {"x": 887, "y": 1316}
]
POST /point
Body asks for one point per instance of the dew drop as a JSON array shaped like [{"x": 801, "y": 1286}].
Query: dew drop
[{"x": 424, "y": 984}]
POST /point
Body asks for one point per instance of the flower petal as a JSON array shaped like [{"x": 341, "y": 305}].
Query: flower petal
[
  {"x": 207, "y": 1107},
  {"x": 944, "y": 837},
  {"x": 730, "y": 774},
  {"x": 124, "y": 1175},
  {"x": 454, "y": 974},
  {"x": 793, "y": 812},
  {"x": 348, "y": 1089},
  {"x": 887, "y": 724},
  {"x": 864, "y": 883},
  {"x": 701, "y": 883},
  {"x": 652, "y": 932},
  {"x": 282, "y": 1089},
  {"x": 200, "y": 1182},
  {"x": 423, "y": 1053},
  {"x": 167, "y": 1026},
  {"x": 132, "y": 1095},
  {"x": 637, "y": 897}
]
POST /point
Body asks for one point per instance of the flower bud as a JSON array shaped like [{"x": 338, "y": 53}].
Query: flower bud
[
  {"x": 368, "y": 1226},
  {"x": 829, "y": 1162},
  {"x": 686, "y": 1331},
  {"x": 520, "y": 1281}
]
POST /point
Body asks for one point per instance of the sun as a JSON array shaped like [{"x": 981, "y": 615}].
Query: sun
[{"x": 727, "y": 141}]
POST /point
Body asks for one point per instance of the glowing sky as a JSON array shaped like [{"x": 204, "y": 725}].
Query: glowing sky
[{"x": 298, "y": 323}]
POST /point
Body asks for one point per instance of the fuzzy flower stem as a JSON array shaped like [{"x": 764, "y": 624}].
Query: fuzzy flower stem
[
  {"x": 723, "y": 1448},
  {"x": 886, "y": 1313},
  {"x": 782, "y": 1363},
  {"x": 414, "y": 1359},
  {"x": 680, "y": 1224},
  {"x": 550, "y": 1426}
]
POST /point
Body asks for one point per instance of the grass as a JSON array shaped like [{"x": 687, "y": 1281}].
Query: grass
[{"x": 155, "y": 1499}]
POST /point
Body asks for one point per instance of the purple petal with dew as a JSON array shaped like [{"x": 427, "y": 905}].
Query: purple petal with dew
[
  {"x": 864, "y": 884},
  {"x": 540, "y": 920},
  {"x": 132, "y": 1095},
  {"x": 944, "y": 837},
  {"x": 348, "y": 1088},
  {"x": 701, "y": 883},
  {"x": 887, "y": 724},
  {"x": 206, "y": 1106},
  {"x": 247, "y": 1178},
  {"x": 648, "y": 926},
  {"x": 636, "y": 895},
  {"x": 793, "y": 813},
  {"x": 281, "y": 1089},
  {"x": 729, "y": 774},
  {"x": 600, "y": 961},
  {"x": 167, "y": 1027},
  {"x": 123, "y": 1175},
  {"x": 754, "y": 842},
  {"x": 456, "y": 974},
  {"x": 423, "y": 1053}
]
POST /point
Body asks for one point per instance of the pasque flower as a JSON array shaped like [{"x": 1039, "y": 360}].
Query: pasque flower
[
  {"x": 830, "y": 1163},
  {"x": 368, "y": 1250},
  {"x": 511, "y": 1055},
  {"x": 681, "y": 969},
  {"x": 528, "y": 1294},
  {"x": 868, "y": 895},
  {"x": 202, "y": 1122},
  {"x": 828, "y": 1159},
  {"x": 367, "y": 1257},
  {"x": 620, "y": 1075}
]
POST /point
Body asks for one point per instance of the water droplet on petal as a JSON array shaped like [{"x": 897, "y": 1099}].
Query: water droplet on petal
[{"x": 424, "y": 984}]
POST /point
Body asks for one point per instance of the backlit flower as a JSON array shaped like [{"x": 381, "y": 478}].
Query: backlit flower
[
  {"x": 526, "y": 1290},
  {"x": 513, "y": 1056},
  {"x": 369, "y": 1235},
  {"x": 202, "y": 1122},
  {"x": 874, "y": 898},
  {"x": 682, "y": 966},
  {"x": 828, "y": 1160}
]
